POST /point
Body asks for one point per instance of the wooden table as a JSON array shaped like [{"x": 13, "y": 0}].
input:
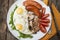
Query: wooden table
[{"x": 4, "y": 6}]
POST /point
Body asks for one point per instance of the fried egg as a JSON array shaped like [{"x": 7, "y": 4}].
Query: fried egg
[{"x": 20, "y": 19}]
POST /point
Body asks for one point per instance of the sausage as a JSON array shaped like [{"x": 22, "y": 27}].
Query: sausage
[
  {"x": 43, "y": 29},
  {"x": 34, "y": 9},
  {"x": 34, "y": 3},
  {"x": 45, "y": 20},
  {"x": 45, "y": 16},
  {"x": 45, "y": 24}
]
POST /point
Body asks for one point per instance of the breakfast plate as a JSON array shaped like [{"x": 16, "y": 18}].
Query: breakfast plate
[{"x": 29, "y": 22}]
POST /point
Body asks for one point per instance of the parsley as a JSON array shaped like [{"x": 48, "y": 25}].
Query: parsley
[{"x": 11, "y": 19}]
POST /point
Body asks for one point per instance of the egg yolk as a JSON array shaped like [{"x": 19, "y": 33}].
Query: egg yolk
[
  {"x": 20, "y": 10},
  {"x": 19, "y": 26}
]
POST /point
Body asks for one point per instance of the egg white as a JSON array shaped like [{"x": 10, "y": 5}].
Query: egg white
[{"x": 21, "y": 19}]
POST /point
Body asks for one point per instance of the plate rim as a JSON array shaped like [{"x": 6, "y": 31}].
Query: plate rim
[{"x": 7, "y": 20}]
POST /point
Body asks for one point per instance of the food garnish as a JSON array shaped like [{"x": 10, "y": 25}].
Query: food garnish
[{"x": 11, "y": 19}]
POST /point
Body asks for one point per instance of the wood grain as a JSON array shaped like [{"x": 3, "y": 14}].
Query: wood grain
[
  {"x": 56, "y": 14},
  {"x": 58, "y": 5},
  {"x": 10, "y": 36},
  {"x": 4, "y": 32},
  {"x": 3, "y": 9},
  {"x": 45, "y": 1}
]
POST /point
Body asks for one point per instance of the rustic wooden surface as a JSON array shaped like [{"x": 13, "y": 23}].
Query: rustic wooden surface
[{"x": 4, "y": 6}]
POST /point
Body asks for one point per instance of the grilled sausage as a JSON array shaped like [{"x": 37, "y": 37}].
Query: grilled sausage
[
  {"x": 34, "y": 3},
  {"x": 45, "y": 16},
  {"x": 45, "y": 24},
  {"x": 34, "y": 9},
  {"x": 45, "y": 20},
  {"x": 43, "y": 29}
]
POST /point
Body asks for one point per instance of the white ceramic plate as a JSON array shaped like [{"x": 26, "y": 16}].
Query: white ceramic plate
[{"x": 39, "y": 34}]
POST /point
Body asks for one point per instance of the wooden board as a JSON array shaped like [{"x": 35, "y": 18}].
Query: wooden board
[
  {"x": 56, "y": 14},
  {"x": 4, "y": 32},
  {"x": 4, "y": 6}
]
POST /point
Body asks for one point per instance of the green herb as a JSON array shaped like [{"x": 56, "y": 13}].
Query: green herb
[
  {"x": 22, "y": 35},
  {"x": 11, "y": 19},
  {"x": 16, "y": 7}
]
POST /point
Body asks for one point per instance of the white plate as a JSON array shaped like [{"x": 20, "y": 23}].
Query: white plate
[{"x": 39, "y": 34}]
